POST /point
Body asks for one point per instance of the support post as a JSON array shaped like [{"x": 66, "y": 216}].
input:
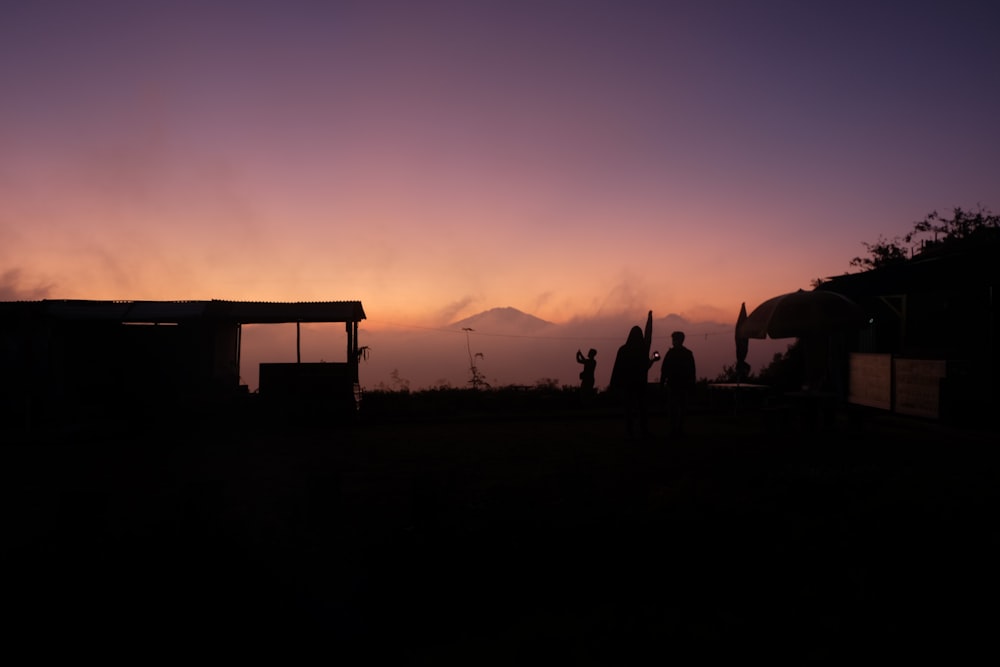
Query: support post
[
  {"x": 352, "y": 349},
  {"x": 239, "y": 353}
]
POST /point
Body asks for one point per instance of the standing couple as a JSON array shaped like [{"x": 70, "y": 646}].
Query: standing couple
[{"x": 629, "y": 378}]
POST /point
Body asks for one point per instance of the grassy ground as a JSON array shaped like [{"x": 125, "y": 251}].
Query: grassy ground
[{"x": 492, "y": 539}]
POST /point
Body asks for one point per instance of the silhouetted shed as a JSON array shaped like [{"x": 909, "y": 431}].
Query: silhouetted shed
[{"x": 59, "y": 355}]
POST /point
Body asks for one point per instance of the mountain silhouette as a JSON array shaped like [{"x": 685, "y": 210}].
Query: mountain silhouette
[{"x": 503, "y": 321}]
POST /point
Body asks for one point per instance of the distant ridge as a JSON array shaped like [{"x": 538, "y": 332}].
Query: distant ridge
[{"x": 503, "y": 320}]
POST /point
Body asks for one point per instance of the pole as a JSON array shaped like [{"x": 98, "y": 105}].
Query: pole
[
  {"x": 352, "y": 348},
  {"x": 239, "y": 353}
]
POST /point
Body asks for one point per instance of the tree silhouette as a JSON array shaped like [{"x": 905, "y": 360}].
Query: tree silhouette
[
  {"x": 944, "y": 232},
  {"x": 962, "y": 225},
  {"x": 883, "y": 252}
]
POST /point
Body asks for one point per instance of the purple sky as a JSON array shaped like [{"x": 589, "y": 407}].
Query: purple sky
[{"x": 436, "y": 159}]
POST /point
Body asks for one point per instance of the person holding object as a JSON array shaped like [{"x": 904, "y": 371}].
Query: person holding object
[
  {"x": 587, "y": 374},
  {"x": 629, "y": 376}
]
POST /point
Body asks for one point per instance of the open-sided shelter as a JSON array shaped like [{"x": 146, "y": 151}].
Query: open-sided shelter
[{"x": 67, "y": 355}]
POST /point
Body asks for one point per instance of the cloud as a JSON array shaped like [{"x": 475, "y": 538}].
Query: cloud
[
  {"x": 629, "y": 295},
  {"x": 13, "y": 289},
  {"x": 543, "y": 299},
  {"x": 705, "y": 312},
  {"x": 449, "y": 312}
]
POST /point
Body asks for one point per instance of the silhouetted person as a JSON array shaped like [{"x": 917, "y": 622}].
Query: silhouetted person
[
  {"x": 629, "y": 375},
  {"x": 587, "y": 374},
  {"x": 677, "y": 376}
]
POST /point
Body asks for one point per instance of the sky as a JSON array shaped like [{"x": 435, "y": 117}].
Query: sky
[{"x": 576, "y": 160}]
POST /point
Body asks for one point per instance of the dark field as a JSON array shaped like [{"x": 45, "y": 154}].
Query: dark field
[{"x": 507, "y": 540}]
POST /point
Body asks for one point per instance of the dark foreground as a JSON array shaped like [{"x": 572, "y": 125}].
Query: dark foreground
[{"x": 505, "y": 541}]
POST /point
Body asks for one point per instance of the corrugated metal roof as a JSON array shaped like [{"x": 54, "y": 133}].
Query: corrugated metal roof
[
  {"x": 269, "y": 312},
  {"x": 165, "y": 311},
  {"x": 79, "y": 309}
]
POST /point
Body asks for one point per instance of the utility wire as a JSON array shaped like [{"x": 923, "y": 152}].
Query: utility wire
[{"x": 689, "y": 334}]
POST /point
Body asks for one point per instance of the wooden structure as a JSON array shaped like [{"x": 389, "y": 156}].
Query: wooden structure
[
  {"x": 59, "y": 356},
  {"x": 929, "y": 347}
]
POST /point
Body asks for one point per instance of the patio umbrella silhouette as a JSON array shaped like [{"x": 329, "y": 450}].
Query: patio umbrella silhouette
[
  {"x": 811, "y": 317},
  {"x": 798, "y": 314},
  {"x": 742, "y": 346}
]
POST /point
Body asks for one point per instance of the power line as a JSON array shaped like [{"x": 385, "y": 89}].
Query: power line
[{"x": 690, "y": 334}]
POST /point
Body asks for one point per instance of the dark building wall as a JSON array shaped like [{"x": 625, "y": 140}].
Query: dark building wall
[
  {"x": 24, "y": 364},
  {"x": 54, "y": 368},
  {"x": 225, "y": 356},
  {"x": 937, "y": 308}
]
